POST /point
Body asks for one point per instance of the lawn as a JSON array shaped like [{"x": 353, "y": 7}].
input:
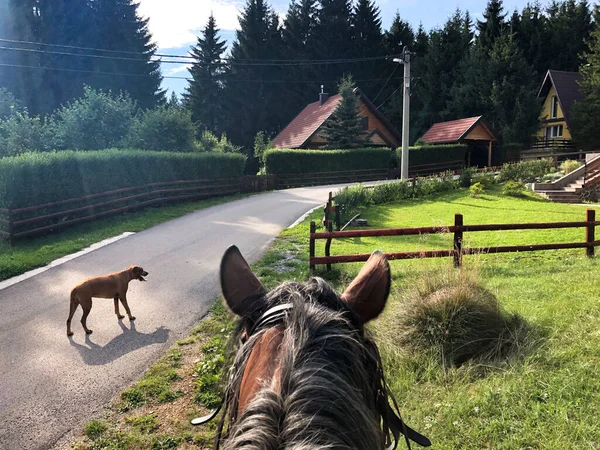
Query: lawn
[
  {"x": 545, "y": 396},
  {"x": 28, "y": 254}
]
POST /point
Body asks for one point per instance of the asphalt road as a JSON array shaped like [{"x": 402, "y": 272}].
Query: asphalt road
[{"x": 51, "y": 384}]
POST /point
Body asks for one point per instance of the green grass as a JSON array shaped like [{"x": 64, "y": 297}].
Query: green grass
[
  {"x": 36, "y": 252},
  {"x": 545, "y": 396}
]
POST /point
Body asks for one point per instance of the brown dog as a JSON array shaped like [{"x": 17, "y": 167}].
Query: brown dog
[{"x": 108, "y": 286}]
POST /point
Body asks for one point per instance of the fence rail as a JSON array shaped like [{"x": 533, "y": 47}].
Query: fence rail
[{"x": 457, "y": 252}]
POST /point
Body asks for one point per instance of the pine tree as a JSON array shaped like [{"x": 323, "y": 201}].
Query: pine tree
[
  {"x": 343, "y": 129},
  {"x": 532, "y": 38},
  {"x": 493, "y": 25},
  {"x": 118, "y": 26},
  {"x": 203, "y": 96},
  {"x": 569, "y": 28},
  {"x": 367, "y": 41},
  {"x": 332, "y": 36},
  {"x": 585, "y": 117}
]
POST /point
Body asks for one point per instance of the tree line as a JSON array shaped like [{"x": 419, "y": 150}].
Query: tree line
[{"x": 491, "y": 67}]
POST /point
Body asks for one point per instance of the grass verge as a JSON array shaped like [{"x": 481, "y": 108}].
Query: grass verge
[
  {"x": 542, "y": 397},
  {"x": 28, "y": 254}
]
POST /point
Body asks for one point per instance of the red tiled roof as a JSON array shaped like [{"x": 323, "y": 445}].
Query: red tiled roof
[
  {"x": 449, "y": 132},
  {"x": 306, "y": 123}
]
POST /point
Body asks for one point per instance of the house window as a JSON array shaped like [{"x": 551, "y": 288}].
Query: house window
[
  {"x": 554, "y": 107},
  {"x": 554, "y": 131},
  {"x": 364, "y": 123}
]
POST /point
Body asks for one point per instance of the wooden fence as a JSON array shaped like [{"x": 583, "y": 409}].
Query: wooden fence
[{"x": 457, "y": 251}]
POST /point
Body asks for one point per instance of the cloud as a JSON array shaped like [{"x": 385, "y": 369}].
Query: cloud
[
  {"x": 175, "y": 23},
  {"x": 178, "y": 69}
]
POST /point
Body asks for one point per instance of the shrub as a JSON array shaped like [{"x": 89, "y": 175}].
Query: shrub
[
  {"x": 261, "y": 144},
  {"x": 466, "y": 177},
  {"x": 21, "y": 133},
  {"x": 514, "y": 189},
  {"x": 37, "y": 178},
  {"x": 96, "y": 121},
  {"x": 455, "y": 320},
  {"x": 526, "y": 171},
  {"x": 284, "y": 161},
  {"x": 476, "y": 190},
  {"x": 8, "y": 104},
  {"x": 163, "y": 128},
  {"x": 485, "y": 178},
  {"x": 350, "y": 199},
  {"x": 569, "y": 166}
]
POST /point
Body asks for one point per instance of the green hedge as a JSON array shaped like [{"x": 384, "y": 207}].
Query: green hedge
[
  {"x": 284, "y": 161},
  {"x": 38, "y": 178},
  {"x": 432, "y": 154}
]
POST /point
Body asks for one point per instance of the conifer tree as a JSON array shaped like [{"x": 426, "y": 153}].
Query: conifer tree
[
  {"x": 203, "y": 95},
  {"x": 493, "y": 25},
  {"x": 344, "y": 129}
]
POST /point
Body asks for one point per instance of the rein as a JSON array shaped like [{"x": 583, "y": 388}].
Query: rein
[{"x": 392, "y": 421}]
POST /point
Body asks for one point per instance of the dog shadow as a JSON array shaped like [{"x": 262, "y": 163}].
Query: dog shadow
[{"x": 128, "y": 341}]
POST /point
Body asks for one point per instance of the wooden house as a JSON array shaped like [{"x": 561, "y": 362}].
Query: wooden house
[{"x": 304, "y": 131}]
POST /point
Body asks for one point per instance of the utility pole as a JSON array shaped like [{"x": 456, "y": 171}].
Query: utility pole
[{"x": 405, "y": 112}]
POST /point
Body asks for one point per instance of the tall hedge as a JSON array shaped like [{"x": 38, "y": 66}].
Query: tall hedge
[
  {"x": 284, "y": 161},
  {"x": 38, "y": 178},
  {"x": 432, "y": 154}
]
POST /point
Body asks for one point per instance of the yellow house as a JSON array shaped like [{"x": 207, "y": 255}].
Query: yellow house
[{"x": 559, "y": 91}]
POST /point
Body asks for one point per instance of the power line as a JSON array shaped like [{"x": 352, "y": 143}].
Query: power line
[
  {"x": 223, "y": 61},
  {"x": 59, "y": 69},
  {"x": 386, "y": 83}
]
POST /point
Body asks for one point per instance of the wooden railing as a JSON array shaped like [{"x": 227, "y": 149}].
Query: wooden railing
[
  {"x": 554, "y": 144},
  {"x": 457, "y": 251},
  {"x": 592, "y": 173}
]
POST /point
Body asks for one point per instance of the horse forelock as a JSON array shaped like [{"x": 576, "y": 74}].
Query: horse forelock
[{"x": 329, "y": 376}]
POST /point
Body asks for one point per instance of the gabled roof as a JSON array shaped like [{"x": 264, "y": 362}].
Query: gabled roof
[
  {"x": 451, "y": 132},
  {"x": 314, "y": 115},
  {"x": 566, "y": 85}
]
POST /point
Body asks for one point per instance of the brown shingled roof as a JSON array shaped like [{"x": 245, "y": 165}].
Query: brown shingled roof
[
  {"x": 306, "y": 123},
  {"x": 449, "y": 132},
  {"x": 567, "y": 88}
]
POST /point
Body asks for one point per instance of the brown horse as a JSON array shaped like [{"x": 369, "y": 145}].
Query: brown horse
[{"x": 305, "y": 374}]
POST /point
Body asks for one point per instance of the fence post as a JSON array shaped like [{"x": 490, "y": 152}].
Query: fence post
[
  {"x": 338, "y": 219},
  {"x": 590, "y": 231},
  {"x": 328, "y": 243},
  {"x": 458, "y": 239},
  {"x": 311, "y": 246}
]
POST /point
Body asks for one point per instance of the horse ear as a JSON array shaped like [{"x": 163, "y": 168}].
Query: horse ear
[
  {"x": 368, "y": 292},
  {"x": 238, "y": 282}
]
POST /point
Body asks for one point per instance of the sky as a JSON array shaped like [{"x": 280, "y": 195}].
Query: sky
[{"x": 175, "y": 24}]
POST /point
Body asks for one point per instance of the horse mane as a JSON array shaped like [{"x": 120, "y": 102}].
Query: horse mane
[{"x": 331, "y": 378}]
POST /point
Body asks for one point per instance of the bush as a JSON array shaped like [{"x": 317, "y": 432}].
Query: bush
[
  {"x": 569, "y": 166},
  {"x": 21, "y": 133},
  {"x": 476, "y": 190},
  {"x": 466, "y": 177},
  {"x": 433, "y": 154},
  {"x": 350, "y": 199},
  {"x": 514, "y": 189},
  {"x": 96, "y": 121},
  {"x": 8, "y": 104},
  {"x": 486, "y": 179},
  {"x": 37, "y": 178},
  {"x": 284, "y": 161},
  {"x": 526, "y": 171},
  {"x": 455, "y": 321},
  {"x": 163, "y": 128}
]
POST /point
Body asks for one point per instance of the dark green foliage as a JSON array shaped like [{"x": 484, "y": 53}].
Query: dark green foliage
[
  {"x": 493, "y": 25},
  {"x": 284, "y": 161},
  {"x": 8, "y": 104},
  {"x": 511, "y": 151},
  {"x": 466, "y": 176},
  {"x": 34, "y": 179},
  {"x": 204, "y": 92},
  {"x": 344, "y": 129},
  {"x": 97, "y": 120},
  {"x": 431, "y": 154},
  {"x": 586, "y": 113},
  {"x": 476, "y": 190},
  {"x": 164, "y": 129}
]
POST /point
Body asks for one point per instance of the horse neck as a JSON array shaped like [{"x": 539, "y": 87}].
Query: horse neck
[{"x": 323, "y": 397}]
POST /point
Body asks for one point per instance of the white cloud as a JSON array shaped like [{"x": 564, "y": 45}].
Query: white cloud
[
  {"x": 178, "y": 69},
  {"x": 175, "y": 23}
]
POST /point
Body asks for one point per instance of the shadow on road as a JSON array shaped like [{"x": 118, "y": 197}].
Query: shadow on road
[{"x": 129, "y": 341}]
